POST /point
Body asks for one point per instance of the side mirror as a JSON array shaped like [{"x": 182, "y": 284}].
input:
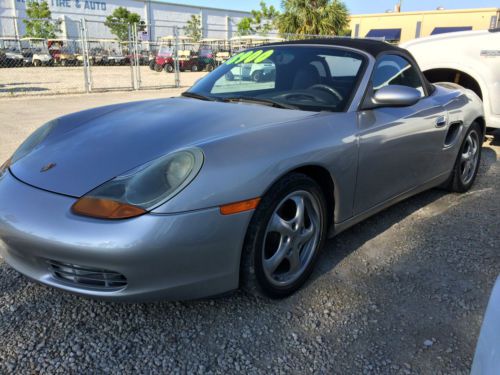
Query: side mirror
[{"x": 394, "y": 96}]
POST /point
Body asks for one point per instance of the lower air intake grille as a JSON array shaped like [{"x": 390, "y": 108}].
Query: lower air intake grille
[{"x": 84, "y": 276}]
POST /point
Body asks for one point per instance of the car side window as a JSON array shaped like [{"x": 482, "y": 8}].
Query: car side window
[{"x": 396, "y": 70}]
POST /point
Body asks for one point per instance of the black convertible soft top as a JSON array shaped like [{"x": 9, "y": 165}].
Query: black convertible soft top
[{"x": 371, "y": 46}]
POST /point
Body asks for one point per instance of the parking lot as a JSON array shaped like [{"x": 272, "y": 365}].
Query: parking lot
[
  {"x": 401, "y": 293},
  {"x": 70, "y": 79}
]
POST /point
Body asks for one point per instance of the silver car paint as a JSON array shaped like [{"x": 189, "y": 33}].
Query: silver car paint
[
  {"x": 85, "y": 151},
  {"x": 374, "y": 157},
  {"x": 169, "y": 256}
]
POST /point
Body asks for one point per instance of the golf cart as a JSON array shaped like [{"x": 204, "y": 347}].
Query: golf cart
[
  {"x": 208, "y": 53},
  {"x": 165, "y": 57},
  {"x": 115, "y": 54},
  {"x": 63, "y": 51},
  {"x": 37, "y": 52},
  {"x": 10, "y": 53},
  {"x": 97, "y": 52},
  {"x": 262, "y": 72},
  {"x": 221, "y": 50}
]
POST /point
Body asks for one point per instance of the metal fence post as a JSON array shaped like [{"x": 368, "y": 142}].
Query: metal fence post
[
  {"x": 131, "y": 54},
  {"x": 137, "y": 62},
  {"x": 176, "y": 57},
  {"x": 85, "y": 54}
]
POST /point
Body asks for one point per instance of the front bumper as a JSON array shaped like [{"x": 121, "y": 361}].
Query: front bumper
[{"x": 176, "y": 256}]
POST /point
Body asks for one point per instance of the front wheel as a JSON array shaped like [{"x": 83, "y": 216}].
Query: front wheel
[
  {"x": 284, "y": 237},
  {"x": 257, "y": 76},
  {"x": 466, "y": 166}
]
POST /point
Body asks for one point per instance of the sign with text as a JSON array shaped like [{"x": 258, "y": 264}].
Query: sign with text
[{"x": 95, "y": 6}]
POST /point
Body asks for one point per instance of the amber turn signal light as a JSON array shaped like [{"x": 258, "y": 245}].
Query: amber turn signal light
[
  {"x": 234, "y": 208},
  {"x": 106, "y": 209}
]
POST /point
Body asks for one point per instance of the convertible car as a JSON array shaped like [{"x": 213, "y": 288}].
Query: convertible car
[{"x": 237, "y": 182}]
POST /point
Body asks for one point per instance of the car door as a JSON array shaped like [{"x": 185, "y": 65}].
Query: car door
[{"x": 399, "y": 147}]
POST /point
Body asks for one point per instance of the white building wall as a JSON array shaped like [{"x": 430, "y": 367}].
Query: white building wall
[{"x": 163, "y": 17}]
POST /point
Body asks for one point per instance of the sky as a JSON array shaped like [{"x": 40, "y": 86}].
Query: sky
[{"x": 355, "y": 6}]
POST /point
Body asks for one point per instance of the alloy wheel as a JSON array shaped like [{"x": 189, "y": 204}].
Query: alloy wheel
[
  {"x": 469, "y": 157},
  {"x": 292, "y": 237}
]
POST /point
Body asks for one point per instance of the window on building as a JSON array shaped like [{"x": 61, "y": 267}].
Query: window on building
[
  {"x": 418, "y": 31},
  {"x": 389, "y": 35}
]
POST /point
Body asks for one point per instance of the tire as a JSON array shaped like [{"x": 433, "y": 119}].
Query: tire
[
  {"x": 37, "y": 63},
  {"x": 64, "y": 63},
  {"x": 158, "y": 68},
  {"x": 263, "y": 242},
  {"x": 465, "y": 169},
  {"x": 169, "y": 68},
  {"x": 257, "y": 76},
  {"x": 194, "y": 68},
  {"x": 210, "y": 68},
  {"x": 152, "y": 65}
]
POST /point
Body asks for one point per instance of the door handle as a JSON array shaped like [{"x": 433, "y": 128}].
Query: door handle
[{"x": 441, "y": 121}]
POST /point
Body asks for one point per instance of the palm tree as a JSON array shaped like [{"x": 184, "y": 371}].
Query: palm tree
[{"x": 313, "y": 17}]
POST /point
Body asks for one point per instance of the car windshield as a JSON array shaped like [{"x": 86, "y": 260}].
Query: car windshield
[{"x": 301, "y": 77}]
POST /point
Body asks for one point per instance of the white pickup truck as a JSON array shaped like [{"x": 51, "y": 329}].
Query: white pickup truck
[{"x": 470, "y": 59}]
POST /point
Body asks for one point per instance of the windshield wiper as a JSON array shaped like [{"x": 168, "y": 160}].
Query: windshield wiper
[
  {"x": 194, "y": 95},
  {"x": 269, "y": 102}
]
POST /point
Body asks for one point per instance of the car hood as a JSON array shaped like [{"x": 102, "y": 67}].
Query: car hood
[{"x": 91, "y": 147}]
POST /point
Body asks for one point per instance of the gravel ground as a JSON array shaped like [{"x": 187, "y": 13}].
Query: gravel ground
[
  {"x": 63, "y": 80},
  {"x": 401, "y": 293}
]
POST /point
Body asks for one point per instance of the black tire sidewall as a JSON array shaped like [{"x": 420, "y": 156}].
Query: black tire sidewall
[{"x": 253, "y": 276}]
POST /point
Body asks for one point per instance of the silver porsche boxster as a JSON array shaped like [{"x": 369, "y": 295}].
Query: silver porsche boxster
[{"x": 239, "y": 181}]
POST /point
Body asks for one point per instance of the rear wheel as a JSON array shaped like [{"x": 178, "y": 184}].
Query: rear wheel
[
  {"x": 158, "y": 68},
  {"x": 210, "y": 68},
  {"x": 194, "y": 68},
  {"x": 37, "y": 63},
  {"x": 466, "y": 166},
  {"x": 169, "y": 68},
  {"x": 152, "y": 64},
  {"x": 284, "y": 237}
]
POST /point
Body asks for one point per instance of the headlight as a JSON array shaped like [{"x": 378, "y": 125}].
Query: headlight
[
  {"x": 32, "y": 141},
  {"x": 142, "y": 189}
]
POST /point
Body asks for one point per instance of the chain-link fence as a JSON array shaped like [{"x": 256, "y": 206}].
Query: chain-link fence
[{"x": 90, "y": 56}]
